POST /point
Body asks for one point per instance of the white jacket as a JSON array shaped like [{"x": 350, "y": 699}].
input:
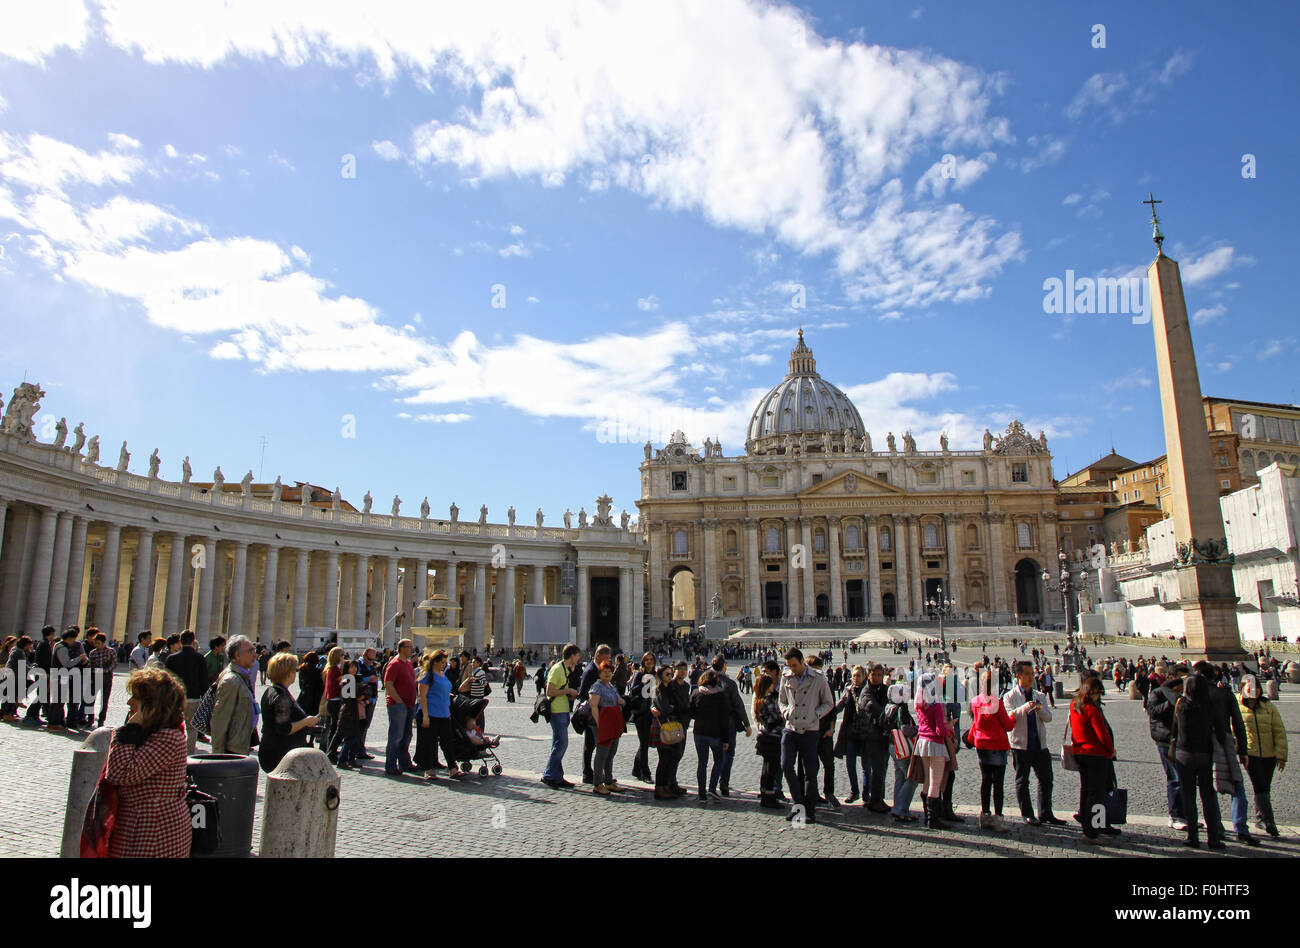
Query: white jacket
[{"x": 1017, "y": 706}]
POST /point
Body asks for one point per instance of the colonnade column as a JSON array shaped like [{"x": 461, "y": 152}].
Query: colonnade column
[
  {"x": 217, "y": 591},
  {"x": 997, "y": 578},
  {"x": 238, "y": 584},
  {"x": 390, "y": 603},
  {"x": 584, "y": 604},
  {"x": 451, "y": 589},
  {"x": 360, "y": 583},
  {"x": 902, "y": 592},
  {"x": 625, "y": 610},
  {"x": 506, "y": 602},
  {"x": 417, "y": 590},
  {"x": 141, "y": 584},
  {"x": 873, "y": 568},
  {"x": 478, "y": 636},
  {"x": 331, "y": 589},
  {"x": 4, "y": 510},
  {"x": 833, "y": 545},
  {"x": 175, "y": 582},
  {"x": 300, "y": 591},
  {"x": 203, "y": 592},
  {"x": 537, "y": 586},
  {"x": 106, "y": 594},
  {"x": 59, "y": 577},
  {"x": 270, "y": 577},
  {"x": 76, "y": 569},
  {"x": 753, "y": 598},
  {"x": 38, "y": 595},
  {"x": 638, "y": 610},
  {"x": 347, "y": 585}
]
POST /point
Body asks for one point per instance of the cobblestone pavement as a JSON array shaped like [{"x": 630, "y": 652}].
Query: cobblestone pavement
[{"x": 514, "y": 814}]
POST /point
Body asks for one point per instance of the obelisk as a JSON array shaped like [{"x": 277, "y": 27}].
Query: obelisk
[{"x": 1203, "y": 566}]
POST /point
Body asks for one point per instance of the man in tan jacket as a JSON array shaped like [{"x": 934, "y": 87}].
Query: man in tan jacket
[{"x": 234, "y": 715}]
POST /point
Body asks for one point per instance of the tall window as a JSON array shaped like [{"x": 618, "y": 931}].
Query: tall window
[
  {"x": 679, "y": 541},
  {"x": 852, "y": 538},
  {"x": 885, "y": 539},
  {"x": 931, "y": 537},
  {"x": 731, "y": 541},
  {"x": 819, "y": 542},
  {"x": 972, "y": 537},
  {"x": 1019, "y": 473},
  {"x": 1023, "y": 540},
  {"x": 772, "y": 540}
]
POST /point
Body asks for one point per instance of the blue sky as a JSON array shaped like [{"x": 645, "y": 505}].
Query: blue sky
[{"x": 502, "y": 244}]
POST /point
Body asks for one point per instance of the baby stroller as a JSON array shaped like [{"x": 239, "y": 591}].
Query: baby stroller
[{"x": 464, "y": 752}]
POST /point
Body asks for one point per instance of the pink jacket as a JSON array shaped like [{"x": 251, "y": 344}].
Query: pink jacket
[
  {"x": 989, "y": 730},
  {"x": 932, "y": 722}
]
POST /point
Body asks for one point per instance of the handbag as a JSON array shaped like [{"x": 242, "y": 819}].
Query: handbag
[
  {"x": 100, "y": 819},
  {"x": 902, "y": 747},
  {"x": 916, "y": 770},
  {"x": 202, "y": 720},
  {"x": 205, "y": 818},
  {"x": 671, "y": 733},
  {"x": 1116, "y": 802},
  {"x": 1067, "y": 751}
]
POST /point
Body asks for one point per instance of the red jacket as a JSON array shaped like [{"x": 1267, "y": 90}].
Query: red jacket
[
  {"x": 1090, "y": 733},
  {"x": 991, "y": 723}
]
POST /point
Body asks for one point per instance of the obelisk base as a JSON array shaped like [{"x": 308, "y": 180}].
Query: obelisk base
[{"x": 1208, "y": 598}]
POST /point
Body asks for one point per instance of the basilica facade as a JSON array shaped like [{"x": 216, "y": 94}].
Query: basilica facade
[{"x": 816, "y": 522}]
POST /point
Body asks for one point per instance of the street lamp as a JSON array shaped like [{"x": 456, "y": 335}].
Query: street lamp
[
  {"x": 941, "y": 608},
  {"x": 1063, "y": 585}
]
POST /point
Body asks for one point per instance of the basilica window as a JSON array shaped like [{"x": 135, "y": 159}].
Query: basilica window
[
  {"x": 885, "y": 539},
  {"x": 772, "y": 540},
  {"x": 972, "y": 537},
  {"x": 1019, "y": 473},
  {"x": 852, "y": 538},
  {"x": 927, "y": 477},
  {"x": 931, "y": 536},
  {"x": 968, "y": 477},
  {"x": 729, "y": 482},
  {"x": 771, "y": 480},
  {"x": 731, "y": 542},
  {"x": 819, "y": 542},
  {"x": 679, "y": 542},
  {"x": 679, "y": 480},
  {"x": 1023, "y": 539}
]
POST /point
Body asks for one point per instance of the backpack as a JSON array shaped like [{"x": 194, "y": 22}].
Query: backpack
[
  {"x": 101, "y": 818},
  {"x": 541, "y": 708},
  {"x": 637, "y": 703},
  {"x": 202, "y": 720}
]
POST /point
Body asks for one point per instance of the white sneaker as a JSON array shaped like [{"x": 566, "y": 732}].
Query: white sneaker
[{"x": 1177, "y": 824}]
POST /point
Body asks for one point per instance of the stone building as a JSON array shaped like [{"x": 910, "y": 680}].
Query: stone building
[
  {"x": 815, "y": 522},
  {"x": 83, "y": 544}
]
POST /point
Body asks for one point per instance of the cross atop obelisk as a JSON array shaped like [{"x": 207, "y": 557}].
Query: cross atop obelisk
[{"x": 1203, "y": 569}]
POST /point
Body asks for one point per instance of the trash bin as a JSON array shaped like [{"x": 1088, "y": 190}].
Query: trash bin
[
  {"x": 1270, "y": 690},
  {"x": 1134, "y": 691},
  {"x": 1292, "y": 671},
  {"x": 1060, "y": 690},
  {"x": 232, "y": 779}
]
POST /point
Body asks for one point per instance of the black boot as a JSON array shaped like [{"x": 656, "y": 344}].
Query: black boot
[
  {"x": 1264, "y": 804},
  {"x": 946, "y": 801},
  {"x": 933, "y": 806}
]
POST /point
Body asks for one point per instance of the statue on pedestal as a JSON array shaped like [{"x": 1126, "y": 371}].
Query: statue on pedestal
[
  {"x": 304, "y": 496},
  {"x": 623, "y": 520},
  {"x": 186, "y": 471},
  {"x": 424, "y": 509},
  {"x": 715, "y": 606},
  {"x": 943, "y": 442},
  {"x": 60, "y": 432},
  {"x": 540, "y": 518},
  {"x": 788, "y": 443},
  {"x": 482, "y": 516},
  {"x": 602, "y": 518},
  {"x": 154, "y": 463},
  {"x": 1142, "y": 543},
  {"x": 455, "y": 512},
  {"x": 1042, "y": 440},
  {"x": 826, "y": 442},
  {"x": 893, "y": 445},
  {"x": 1128, "y": 544},
  {"x": 336, "y": 499},
  {"x": 397, "y": 505},
  {"x": 276, "y": 490},
  {"x": 865, "y": 446},
  {"x": 218, "y": 480},
  {"x": 848, "y": 441},
  {"x": 366, "y": 503},
  {"x": 80, "y": 441},
  {"x": 246, "y": 484},
  {"x": 123, "y": 458},
  {"x": 92, "y": 450},
  {"x": 510, "y": 515},
  {"x": 582, "y": 517},
  {"x": 22, "y": 409},
  {"x": 708, "y": 447},
  {"x": 988, "y": 440},
  {"x": 909, "y": 443},
  {"x": 648, "y": 449},
  {"x": 568, "y": 519}
]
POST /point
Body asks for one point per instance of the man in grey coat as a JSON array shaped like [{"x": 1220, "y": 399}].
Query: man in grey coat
[
  {"x": 739, "y": 718},
  {"x": 234, "y": 714}
]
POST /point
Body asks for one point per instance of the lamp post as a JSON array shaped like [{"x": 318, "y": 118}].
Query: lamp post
[
  {"x": 941, "y": 608},
  {"x": 1063, "y": 585}
]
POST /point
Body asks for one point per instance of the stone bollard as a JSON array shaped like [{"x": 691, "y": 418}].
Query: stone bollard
[
  {"x": 87, "y": 762},
  {"x": 1292, "y": 672},
  {"x": 300, "y": 818},
  {"x": 1270, "y": 690},
  {"x": 1134, "y": 691}
]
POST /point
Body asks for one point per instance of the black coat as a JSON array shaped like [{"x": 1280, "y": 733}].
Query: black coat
[
  {"x": 1160, "y": 712},
  {"x": 711, "y": 710}
]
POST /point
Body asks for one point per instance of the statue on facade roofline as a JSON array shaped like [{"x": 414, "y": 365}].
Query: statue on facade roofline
[
  {"x": 154, "y": 463},
  {"x": 510, "y": 515},
  {"x": 60, "y": 432},
  {"x": 648, "y": 450},
  {"x": 246, "y": 484},
  {"x": 92, "y": 450},
  {"x": 424, "y": 509},
  {"x": 336, "y": 499},
  {"x": 909, "y": 443},
  {"x": 186, "y": 471},
  {"x": 540, "y": 518},
  {"x": 277, "y": 489},
  {"x": 623, "y": 520},
  {"x": 865, "y": 446},
  {"x": 397, "y": 505},
  {"x": 367, "y": 502},
  {"x": 482, "y": 516},
  {"x": 943, "y": 442},
  {"x": 568, "y": 519},
  {"x": 218, "y": 480},
  {"x": 988, "y": 440},
  {"x": 304, "y": 495},
  {"x": 893, "y": 445},
  {"x": 582, "y": 516},
  {"x": 455, "y": 512},
  {"x": 80, "y": 441},
  {"x": 123, "y": 458}
]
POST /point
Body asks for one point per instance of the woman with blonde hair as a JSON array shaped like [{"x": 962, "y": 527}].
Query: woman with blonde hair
[
  {"x": 284, "y": 723},
  {"x": 333, "y": 679},
  {"x": 146, "y": 763}
]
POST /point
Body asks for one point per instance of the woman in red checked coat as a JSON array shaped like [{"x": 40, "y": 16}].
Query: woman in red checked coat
[
  {"x": 146, "y": 762},
  {"x": 1094, "y": 749}
]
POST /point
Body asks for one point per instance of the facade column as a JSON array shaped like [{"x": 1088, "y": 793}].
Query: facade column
[
  {"x": 417, "y": 590},
  {"x": 537, "y": 586},
  {"x": 625, "y": 610},
  {"x": 997, "y": 565},
  {"x": 203, "y": 626},
  {"x": 902, "y": 591},
  {"x": 38, "y": 596},
  {"x": 837, "y": 587},
  {"x": 753, "y": 596},
  {"x": 376, "y": 594},
  {"x": 584, "y": 605},
  {"x": 810, "y": 570},
  {"x": 331, "y": 589},
  {"x": 709, "y": 573},
  {"x": 360, "y": 583},
  {"x": 4, "y": 510},
  {"x": 346, "y": 587},
  {"x": 801, "y": 577},
  {"x": 141, "y": 583},
  {"x": 270, "y": 577},
  {"x": 478, "y": 638},
  {"x": 59, "y": 576},
  {"x": 390, "y": 603},
  {"x": 914, "y": 553},
  {"x": 873, "y": 568},
  {"x": 659, "y": 561},
  {"x": 238, "y": 585},
  {"x": 638, "y": 611},
  {"x": 72, "y": 601},
  {"x": 300, "y": 591},
  {"x": 954, "y": 587},
  {"x": 175, "y": 582},
  {"x": 106, "y": 594},
  {"x": 316, "y": 590}
]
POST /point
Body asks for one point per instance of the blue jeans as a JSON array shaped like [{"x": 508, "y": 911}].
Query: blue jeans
[
  {"x": 1173, "y": 783},
  {"x": 728, "y": 758},
  {"x": 397, "y": 753},
  {"x": 1240, "y": 809},
  {"x": 903, "y": 788},
  {"x": 851, "y": 751},
  {"x": 703, "y": 747},
  {"x": 559, "y": 744},
  {"x": 804, "y": 748}
]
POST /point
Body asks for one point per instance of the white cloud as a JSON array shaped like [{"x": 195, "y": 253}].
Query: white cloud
[
  {"x": 170, "y": 150},
  {"x": 757, "y": 358},
  {"x": 533, "y": 299},
  {"x": 303, "y": 257},
  {"x": 1177, "y": 64},
  {"x": 122, "y": 142},
  {"x": 1206, "y": 266},
  {"x": 757, "y": 134},
  {"x": 959, "y": 171},
  {"x": 450, "y": 418},
  {"x": 1276, "y": 347},
  {"x": 232, "y": 151},
  {"x": 1221, "y": 367},
  {"x": 514, "y": 250},
  {"x": 276, "y": 158},
  {"x": 1209, "y": 314},
  {"x": 1071, "y": 199},
  {"x": 46, "y": 164},
  {"x": 648, "y": 304},
  {"x": 1098, "y": 92},
  {"x": 31, "y": 31},
  {"x": 1047, "y": 151},
  {"x": 516, "y": 230},
  {"x": 386, "y": 150}
]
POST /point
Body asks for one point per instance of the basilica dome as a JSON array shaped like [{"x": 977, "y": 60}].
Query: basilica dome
[{"x": 802, "y": 404}]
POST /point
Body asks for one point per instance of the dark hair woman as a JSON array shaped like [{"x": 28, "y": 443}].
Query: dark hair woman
[
  {"x": 146, "y": 762},
  {"x": 310, "y": 685},
  {"x": 711, "y": 710},
  {"x": 433, "y": 716},
  {"x": 1094, "y": 749},
  {"x": 1196, "y": 727},
  {"x": 667, "y": 708},
  {"x": 770, "y": 723},
  {"x": 639, "y": 691}
]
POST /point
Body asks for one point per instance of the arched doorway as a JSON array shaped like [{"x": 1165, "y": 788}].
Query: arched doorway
[
  {"x": 681, "y": 605},
  {"x": 889, "y": 606},
  {"x": 823, "y": 606},
  {"x": 1029, "y": 590},
  {"x": 855, "y": 599}
]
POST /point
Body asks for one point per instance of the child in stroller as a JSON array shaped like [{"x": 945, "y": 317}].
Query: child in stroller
[{"x": 468, "y": 741}]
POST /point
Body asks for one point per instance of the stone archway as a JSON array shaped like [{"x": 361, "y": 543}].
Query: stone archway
[
  {"x": 1029, "y": 590},
  {"x": 681, "y": 596}
]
